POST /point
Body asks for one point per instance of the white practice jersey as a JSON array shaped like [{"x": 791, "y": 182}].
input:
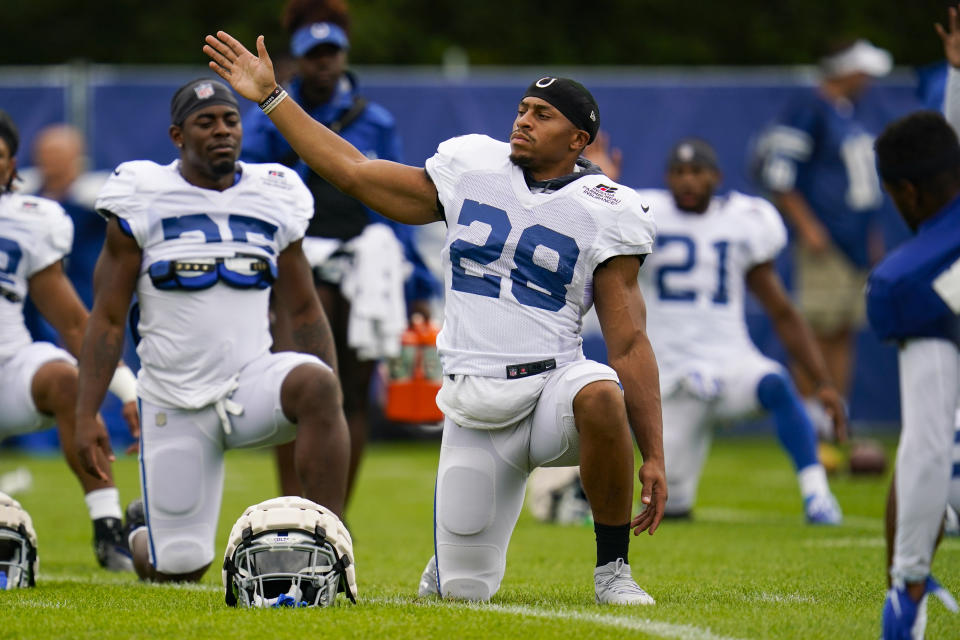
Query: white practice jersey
[
  {"x": 518, "y": 266},
  {"x": 34, "y": 233},
  {"x": 195, "y": 341},
  {"x": 694, "y": 282}
]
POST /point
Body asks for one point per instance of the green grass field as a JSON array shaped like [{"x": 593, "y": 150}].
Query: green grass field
[{"x": 746, "y": 567}]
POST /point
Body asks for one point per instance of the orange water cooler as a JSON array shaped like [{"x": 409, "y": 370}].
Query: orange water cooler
[{"x": 415, "y": 376}]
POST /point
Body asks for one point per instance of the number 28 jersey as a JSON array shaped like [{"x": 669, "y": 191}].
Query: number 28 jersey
[
  {"x": 518, "y": 265},
  {"x": 195, "y": 340}
]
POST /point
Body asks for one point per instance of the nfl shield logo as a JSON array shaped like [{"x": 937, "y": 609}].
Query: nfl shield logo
[{"x": 203, "y": 91}]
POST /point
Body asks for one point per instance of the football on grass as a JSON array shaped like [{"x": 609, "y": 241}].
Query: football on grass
[{"x": 868, "y": 457}]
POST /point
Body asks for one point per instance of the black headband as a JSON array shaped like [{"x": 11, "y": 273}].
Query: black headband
[
  {"x": 9, "y": 133},
  {"x": 199, "y": 94},
  {"x": 894, "y": 170},
  {"x": 570, "y": 98}
]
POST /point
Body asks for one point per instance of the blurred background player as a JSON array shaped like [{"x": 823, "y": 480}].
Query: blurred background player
[
  {"x": 710, "y": 251},
  {"x": 359, "y": 268},
  {"x": 818, "y": 164},
  {"x": 913, "y": 298},
  {"x": 59, "y": 173},
  {"x": 517, "y": 391},
  {"x": 208, "y": 381},
  {"x": 38, "y": 381}
]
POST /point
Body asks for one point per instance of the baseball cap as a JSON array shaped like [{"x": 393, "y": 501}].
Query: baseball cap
[
  {"x": 693, "y": 151},
  {"x": 859, "y": 57},
  {"x": 307, "y": 37}
]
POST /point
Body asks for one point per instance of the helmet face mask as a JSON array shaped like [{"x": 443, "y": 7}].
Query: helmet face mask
[
  {"x": 18, "y": 546},
  {"x": 285, "y": 568},
  {"x": 289, "y": 552}
]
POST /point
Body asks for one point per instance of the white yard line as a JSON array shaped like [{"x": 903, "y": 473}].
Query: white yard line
[{"x": 651, "y": 627}]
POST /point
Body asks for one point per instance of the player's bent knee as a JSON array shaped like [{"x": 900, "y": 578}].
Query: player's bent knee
[
  {"x": 54, "y": 387},
  {"x": 775, "y": 390},
  {"x": 465, "y": 491},
  {"x": 183, "y": 559},
  {"x": 309, "y": 387},
  {"x": 469, "y": 572},
  {"x": 601, "y": 398}
]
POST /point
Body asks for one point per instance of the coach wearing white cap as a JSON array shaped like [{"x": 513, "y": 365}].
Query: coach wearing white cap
[{"x": 818, "y": 162}]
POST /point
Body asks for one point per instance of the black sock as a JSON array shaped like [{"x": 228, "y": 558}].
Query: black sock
[{"x": 613, "y": 541}]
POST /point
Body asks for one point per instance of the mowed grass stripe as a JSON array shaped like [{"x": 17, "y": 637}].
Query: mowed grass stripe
[{"x": 745, "y": 567}]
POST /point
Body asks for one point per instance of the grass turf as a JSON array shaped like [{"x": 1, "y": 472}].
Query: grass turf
[{"x": 745, "y": 567}]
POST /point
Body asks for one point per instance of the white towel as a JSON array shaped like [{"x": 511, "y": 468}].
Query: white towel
[{"x": 374, "y": 287}]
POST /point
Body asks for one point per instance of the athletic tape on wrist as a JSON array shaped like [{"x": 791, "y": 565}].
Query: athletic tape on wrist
[{"x": 124, "y": 384}]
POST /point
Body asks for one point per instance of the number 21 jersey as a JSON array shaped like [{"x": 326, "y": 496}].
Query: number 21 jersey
[{"x": 518, "y": 265}]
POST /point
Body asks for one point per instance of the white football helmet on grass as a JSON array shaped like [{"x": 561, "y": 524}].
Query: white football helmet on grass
[
  {"x": 291, "y": 552},
  {"x": 18, "y": 546}
]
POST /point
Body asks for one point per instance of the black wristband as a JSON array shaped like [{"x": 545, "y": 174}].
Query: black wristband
[{"x": 277, "y": 90}]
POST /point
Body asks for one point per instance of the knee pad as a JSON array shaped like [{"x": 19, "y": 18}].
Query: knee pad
[
  {"x": 774, "y": 390},
  {"x": 468, "y": 569},
  {"x": 466, "y": 498},
  {"x": 178, "y": 543},
  {"x": 173, "y": 481}
]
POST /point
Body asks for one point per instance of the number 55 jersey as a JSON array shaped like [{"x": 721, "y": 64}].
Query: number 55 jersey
[
  {"x": 208, "y": 260},
  {"x": 518, "y": 265},
  {"x": 694, "y": 283}
]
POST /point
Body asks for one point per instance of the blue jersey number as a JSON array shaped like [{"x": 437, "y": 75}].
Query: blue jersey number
[
  {"x": 13, "y": 254},
  {"x": 549, "y": 286},
  {"x": 239, "y": 225},
  {"x": 720, "y": 296}
]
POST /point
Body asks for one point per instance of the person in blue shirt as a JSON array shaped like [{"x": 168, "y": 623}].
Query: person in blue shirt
[
  {"x": 817, "y": 162},
  {"x": 328, "y": 92},
  {"x": 913, "y": 299}
]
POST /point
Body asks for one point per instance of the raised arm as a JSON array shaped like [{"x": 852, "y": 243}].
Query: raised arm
[
  {"x": 797, "y": 338},
  {"x": 114, "y": 280},
  {"x": 623, "y": 320},
  {"x": 951, "y": 51},
  {"x": 398, "y": 191}
]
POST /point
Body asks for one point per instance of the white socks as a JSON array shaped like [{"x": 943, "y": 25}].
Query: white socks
[
  {"x": 104, "y": 503},
  {"x": 813, "y": 481}
]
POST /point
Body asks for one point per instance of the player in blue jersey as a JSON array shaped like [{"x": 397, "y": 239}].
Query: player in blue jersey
[
  {"x": 913, "y": 298},
  {"x": 329, "y": 92},
  {"x": 817, "y": 161}
]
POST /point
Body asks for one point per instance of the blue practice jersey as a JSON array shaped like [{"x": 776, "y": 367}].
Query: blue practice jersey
[
  {"x": 915, "y": 291},
  {"x": 821, "y": 149}
]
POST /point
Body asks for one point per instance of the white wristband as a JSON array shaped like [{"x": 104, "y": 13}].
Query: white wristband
[{"x": 124, "y": 384}]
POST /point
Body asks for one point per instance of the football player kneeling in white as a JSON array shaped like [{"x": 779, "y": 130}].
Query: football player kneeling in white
[
  {"x": 534, "y": 238},
  {"x": 38, "y": 381},
  {"x": 288, "y": 552},
  {"x": 202, "y": 241},
  {"x": 18, "y": 546},
  {"x": 708, "y": 248}
]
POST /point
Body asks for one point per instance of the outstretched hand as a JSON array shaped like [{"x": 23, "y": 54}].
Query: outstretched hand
[
  {"x": 250, "y": 75},
  {"x": 951, "y": 36},
  {"x": 653, "y": 495}
]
